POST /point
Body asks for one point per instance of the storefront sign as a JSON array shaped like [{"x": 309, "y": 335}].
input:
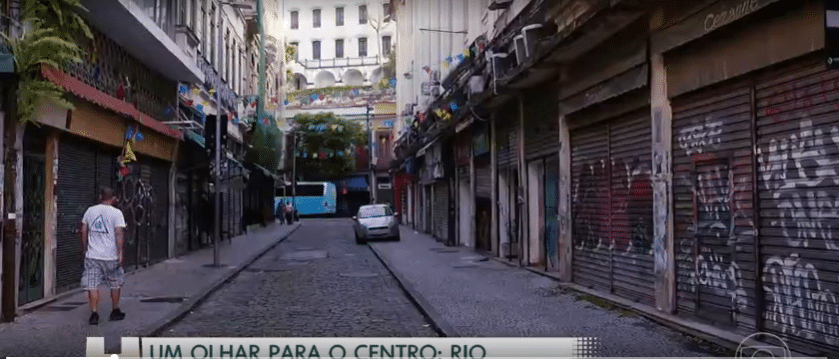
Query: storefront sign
[{"x": 706, "y": 21}]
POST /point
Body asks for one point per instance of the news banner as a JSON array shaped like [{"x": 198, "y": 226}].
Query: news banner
[{"x": 378, "y": 348}]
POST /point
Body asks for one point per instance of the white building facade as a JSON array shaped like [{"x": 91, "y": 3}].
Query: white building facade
[{"x": 338, "y": 43}]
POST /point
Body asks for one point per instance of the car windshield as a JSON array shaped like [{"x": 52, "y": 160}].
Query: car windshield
[{"x": 371, "y": 212}]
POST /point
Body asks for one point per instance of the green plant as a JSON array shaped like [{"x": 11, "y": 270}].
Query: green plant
[
  {"x": 46, "y": 40},
  {"x": 328, "y": 141},
  {"x": 264, "y": 143}
]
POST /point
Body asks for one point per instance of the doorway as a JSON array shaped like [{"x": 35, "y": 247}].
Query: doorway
[
  {"x": 31, "y": 285},
  {"x": 551, "y": 211},
  {"x": 535, "y": 207}
]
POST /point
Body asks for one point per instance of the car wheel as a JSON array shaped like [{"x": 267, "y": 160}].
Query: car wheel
[
  {"x": 397, "y": 238},
  {"x": 358, "y": 240}
]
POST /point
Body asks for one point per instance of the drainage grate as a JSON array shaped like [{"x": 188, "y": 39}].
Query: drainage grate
[
  {"x": 359, "y": 275},
  {"x": 465, "y": 265},
  {"x": 59, "y": 308},
  {"x": 163, "y": 300},
  {"x": 446, "y": 250}
]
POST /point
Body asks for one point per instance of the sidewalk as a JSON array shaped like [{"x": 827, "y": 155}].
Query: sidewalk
[
  {"x": 61, "y": 329},
  {"x": 487, "y": 298}
]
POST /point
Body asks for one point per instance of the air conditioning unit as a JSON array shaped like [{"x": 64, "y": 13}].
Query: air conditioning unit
[
  {"x": 476, "y": 84},
  {"x": 530, "y": 35},
  {"x": 520, "y": 49},
  {"x": 499, "y": 63}
]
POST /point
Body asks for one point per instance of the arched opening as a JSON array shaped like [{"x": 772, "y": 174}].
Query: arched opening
[
  {"x": 300, "y": 82},
  {"x": 324, "y": 79},
  {"x": 353, "y": 78}
]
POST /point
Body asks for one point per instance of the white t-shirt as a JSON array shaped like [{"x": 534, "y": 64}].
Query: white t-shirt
[{"x": 102, "y": 220}]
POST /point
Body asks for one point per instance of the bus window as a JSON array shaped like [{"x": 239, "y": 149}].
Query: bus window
[{"x": 310, "y": 190}]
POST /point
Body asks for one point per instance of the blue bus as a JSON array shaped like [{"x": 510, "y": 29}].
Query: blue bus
[{"x": 312, "y": 198}]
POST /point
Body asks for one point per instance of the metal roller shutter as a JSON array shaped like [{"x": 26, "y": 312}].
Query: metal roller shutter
[
  {"x": 159, "y": 240},
  {"x": 798, "y": 181},
  {"x": 483, "y": 178},
  {"x": 631, "y": 223},
  {"x": 541, "y": 124},
  {"x": 590, "y": 207},
  {"x": 506, "y": 141},
  {"x": 76, "y": 192},
  {"x": 613, "y": 207},
  {"x": 712, "y": 176},
  {"x": 440, "y": 210}
]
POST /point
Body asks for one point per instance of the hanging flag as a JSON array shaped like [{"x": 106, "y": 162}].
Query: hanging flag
[
  {"x": 393, "y": 82},
  {"x": 453, "y": 106},
  {"x": 129, "y": 155},
  {"x": 196, "y": 90},
  {"x": 212, "y": 90},
  {"x": 285, "y": 102},
  {"x": 449, "y": 59},
  {"x": 182, "y": 89},
  {"x": 129, "y": 133},
  {"x": 200, "y": 108},
  {"x": 460, "y": 57},
  {"x": 321, "y": 96},
  {"x": 427, "y": 69},
  {"x": 466, "y": 52},
  {"x": 139, "y": 136}
]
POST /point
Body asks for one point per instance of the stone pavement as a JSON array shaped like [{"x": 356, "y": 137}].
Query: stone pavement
[
  {"x": 487, "y": 298},
  {"x": 50, "y": 331},
  {"x": 316, "y": 283}
]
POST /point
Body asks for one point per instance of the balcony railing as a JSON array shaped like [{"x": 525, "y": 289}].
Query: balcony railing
[{"x": 342, "y": 62}]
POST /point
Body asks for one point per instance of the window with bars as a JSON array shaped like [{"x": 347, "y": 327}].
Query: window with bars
[
  {"x": 339, "y": 48},
  {"x": 386, "y": 12},
  {"x": 316, "y": 50},
  {"x": 226, "y": 56},
  {"x": 362, "y": 14},
  {"x": 386, "y": 46},
  {"x": 362, "y": 47},
  {"x": 295, "y": 20},
  {"x": 316, "y": 18},
  {"x": 339, "y": 16}
]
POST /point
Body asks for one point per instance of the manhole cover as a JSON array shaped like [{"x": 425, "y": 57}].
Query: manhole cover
[
  {"x": 447, "y": 250},
  {"x": 163, "y": 300},
  {"x": 476, "y": 259},
  {"x": 60, "y": 308},
  {"x": 304, "y": 255},
  {"x": 465, "y": 265},
  {"x": 358, "y": 275}
]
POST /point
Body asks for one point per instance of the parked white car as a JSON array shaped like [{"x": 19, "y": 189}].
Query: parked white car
[{"x": 375, "y": 221}]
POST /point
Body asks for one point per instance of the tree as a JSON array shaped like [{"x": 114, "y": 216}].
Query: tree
[
  {"x": 332, "y": 141},
  {"x": 264, "y": 143},
  {"x": 50, "y": 31}
]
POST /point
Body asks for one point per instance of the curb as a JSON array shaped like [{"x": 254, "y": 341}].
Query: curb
[
  {"x": 205, "y": 292},
  {"x": 440, "y": 325}
]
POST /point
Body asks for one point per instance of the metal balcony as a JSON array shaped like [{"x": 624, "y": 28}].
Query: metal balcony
[{"x": 341, "y": 62}]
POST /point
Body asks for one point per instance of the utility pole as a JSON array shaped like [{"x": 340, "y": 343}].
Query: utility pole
[
  {"x": 370, "y": 154},
  {"x": 294, "y": 174},
  {"x": 217, "y": 155}
]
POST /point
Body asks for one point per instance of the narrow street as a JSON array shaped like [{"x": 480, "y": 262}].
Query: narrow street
[{"x": 319, "y": 283}]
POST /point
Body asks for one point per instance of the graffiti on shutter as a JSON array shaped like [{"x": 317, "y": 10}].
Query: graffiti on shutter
[
  {"x": 798, "y": 182},
  {"x": 713, "y": 229}
]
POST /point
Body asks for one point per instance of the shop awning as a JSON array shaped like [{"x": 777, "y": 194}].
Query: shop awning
[
  {"x": 90, "y": 93},
  {"x": 194, "y": 137}
]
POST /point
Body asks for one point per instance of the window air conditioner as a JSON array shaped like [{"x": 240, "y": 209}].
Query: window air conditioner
[
  {"x": 530, "y": 36},
  {"x": 520, "y": 49}
]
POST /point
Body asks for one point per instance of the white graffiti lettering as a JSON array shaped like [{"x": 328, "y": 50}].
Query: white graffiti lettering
[
  {"x": 801, "y": 174},
  {"x": 696, "y": 139},
  {"x": 799, "y": 303},
  {"x": 721, "y": 275}
]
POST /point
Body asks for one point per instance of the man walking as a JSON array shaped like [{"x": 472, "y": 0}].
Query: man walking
[{"x": 103, "y": 242}]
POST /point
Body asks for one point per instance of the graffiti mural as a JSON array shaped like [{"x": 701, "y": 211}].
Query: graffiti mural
[
  {"x": 632, "y": 196},
  {"x": 591, "y": 211},
  {"x": 799, "y": 174},
  {"x": 700, "y": 138},
  {"x": 135, "y": 199}
]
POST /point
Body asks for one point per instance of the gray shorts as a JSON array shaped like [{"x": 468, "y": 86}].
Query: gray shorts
[{"x": 98, "y": 272}]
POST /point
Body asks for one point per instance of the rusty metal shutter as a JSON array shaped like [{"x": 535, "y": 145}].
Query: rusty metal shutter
[
  {"x": 712, "y": 176},
  {"x": 613, "y": 216},
  {"x": 590, "y": 206},
  {"x": 483, "y": 178},
  {"x": 440, "y": 210},
  {"x": 506, "y": 140},
  {"x": 631, "y": 223},
  {"x": 798, "y": 180},
  {"x": 76, "y": 192},
  {"x": 541, "y": 124}
]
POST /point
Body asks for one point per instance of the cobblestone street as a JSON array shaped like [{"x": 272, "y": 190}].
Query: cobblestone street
[{"x": 316, "y": 283}]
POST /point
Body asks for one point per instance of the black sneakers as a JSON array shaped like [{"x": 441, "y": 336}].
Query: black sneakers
[
  {"x": 117, "y": 314},
  {"x": 94, "y": 318}
]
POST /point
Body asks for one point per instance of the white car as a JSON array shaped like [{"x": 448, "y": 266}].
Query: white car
[{"x": 375, "y": 221}]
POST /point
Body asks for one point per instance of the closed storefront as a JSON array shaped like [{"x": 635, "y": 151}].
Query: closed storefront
[
  {"x": 440, "y": 210},
  {"x": 507, "y": 163},
  {"x": 462, "y": 150},
  {"x": 483, "y": 186}
]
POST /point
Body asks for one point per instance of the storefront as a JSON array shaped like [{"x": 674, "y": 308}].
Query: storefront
[
  {"x": 608, "y": 115},
  {"x": 463, "y": 174},
  {"x": 754, "y": 173},
  {"x": 541, "y": 149},
  {"x": 483, "y": 186},
  {"x": 507, "y": 163}
]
